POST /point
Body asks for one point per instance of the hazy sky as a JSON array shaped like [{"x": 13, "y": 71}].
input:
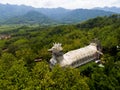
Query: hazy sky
[{"x": 71, "y": 4}]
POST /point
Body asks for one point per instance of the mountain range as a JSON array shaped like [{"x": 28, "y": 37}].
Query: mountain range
[
  {"x": 110, "y": 9},
  {"x": 31, "y": 17},
  {"x": 21, "y": 14}
]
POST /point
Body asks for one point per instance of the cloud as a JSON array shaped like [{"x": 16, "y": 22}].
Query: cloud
[
  {"x": 65, "y": 3},
  {"x": 92, "y": 3}
]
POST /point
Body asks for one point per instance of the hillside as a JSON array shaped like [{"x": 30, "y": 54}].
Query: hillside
[
  {"x": 18, "y": 70},
  {"x": 100, "y": 22}
]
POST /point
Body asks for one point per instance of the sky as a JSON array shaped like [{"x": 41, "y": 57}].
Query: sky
[{"x": 69, "y": 4}]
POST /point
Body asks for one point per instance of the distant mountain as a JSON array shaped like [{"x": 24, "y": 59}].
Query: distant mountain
[
  {"x": 8, "y": 11},
  {"x": 79, "y": 15},
  {"x": 21, "y": 14},
  {"x": 32, "y": 17},
  {"x": 54, "y": 13},
  {"x": 111, "y": 9}
]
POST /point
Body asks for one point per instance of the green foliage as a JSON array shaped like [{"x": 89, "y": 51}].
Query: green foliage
[
  {"x": 19, "y": 71},
  {"x": 16, "y": 77}
]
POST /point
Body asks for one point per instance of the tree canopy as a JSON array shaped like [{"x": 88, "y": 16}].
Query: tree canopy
[{"x": 18, "y": 70}]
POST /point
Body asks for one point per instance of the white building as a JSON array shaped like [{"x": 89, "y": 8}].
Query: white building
[{"x": 74, "y": 58}]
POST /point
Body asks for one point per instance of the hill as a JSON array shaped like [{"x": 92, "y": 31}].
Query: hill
[
  {"x": 79, "y": 15},
  {"x": 7, "y": 10},
  {"x": 31, "y": 17},
  {"x": 54, "y": 13}
]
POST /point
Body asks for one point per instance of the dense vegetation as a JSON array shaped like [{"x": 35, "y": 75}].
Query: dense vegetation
[{"x": 18, "y": 70}]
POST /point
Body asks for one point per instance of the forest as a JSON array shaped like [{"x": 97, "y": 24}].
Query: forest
[{"x": 21, "y": 45}]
